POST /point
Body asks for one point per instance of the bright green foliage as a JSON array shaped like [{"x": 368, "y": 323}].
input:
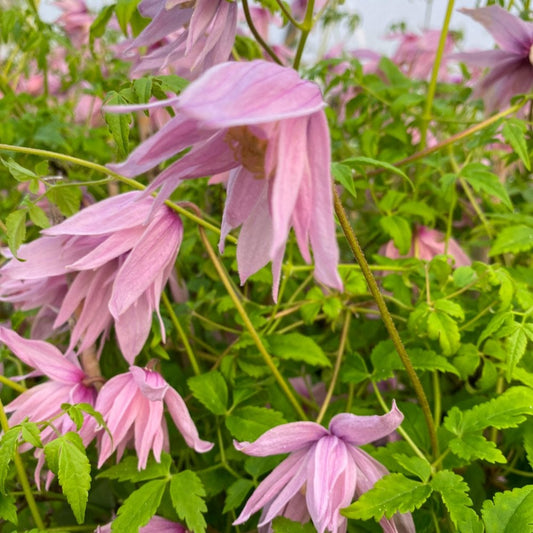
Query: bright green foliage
[
  {"x": 187, "y": 493},
  {"x": 510, "y": 512},
  {"x": 284, "y": 525},
  {"x": 236, "y": 493},
  {"x": 298, "y": 348},
  {"x": 8, "y": 509},
  {"x": 513, "y": 239},
  {"x": 248, "y": 423},
  {"x": 514, "y": 133},
  {"x": 127, "y": 469},
  {"x": 8, "y": 446},
  {"x": 211, "y": 390}
]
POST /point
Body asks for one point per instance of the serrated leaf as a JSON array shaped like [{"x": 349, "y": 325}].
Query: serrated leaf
[
  {"x": 172, "y": 83},
  {"x": 444, "y": 328},
  {"x": 463, "y": 275},
  {"x": 8, "y": 446},
  {"x": 99, "y": 24},
  {"x": 8, "y": 508},
  {"x": 481, "y": 179},
  {"x": 355, "y": 162},
  {"x": 450, "y": 308},
  {"x": 414, "y": 465},
  {"x": 31, "y": 434},
  {"x": 391, "y": 494},
  {"x": 516, "y": 348},
  {"x": 38, "y": 216},
  {"x": 399, "y": 230},
  {"x": 496, "y": 322},
  {"x": 454, "y": 493},
  {"x": 67, "y": 199},
  {"x": 343, "y": 174},
  {"x": 16, "y": 229},
  {"x": 475, "y": 446},
  {"x": 139, "y": 507},
  {"x": 19, "y": 172},
  {"x": 511, "y": 511},
  {"x": 514, "y": 133},
  {"x": 284, "y": 525},
  {"x": 428, "y": 360},
  {"x": 124, "y": 10},
  {"x": 297, "y": 347},
  {"x": 187, "y": 493},
  {"x": 421, "y": 209},
  {"x": 119, "y": 124},
  {"x": 249, "y": 423},
  {"x": 236, "y": 493},
  {"x": 211, "y": 390},
  {"x": 513, "y": 239},
  {"x": 127, "y": 469},
  {"x": 143, "y": 89}
]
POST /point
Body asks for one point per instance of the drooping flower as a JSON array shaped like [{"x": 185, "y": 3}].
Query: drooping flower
[
  {"x": 198, "y": 34},
  {"x": 265, "y": 126},
  {"x": 511, "y": 66},
  {"x": 132, "y": 405},
  {"x": 67, "y": 383},
  {"x": 116, "y": 265},
  {"x": 427, "y": 243},
  {"x": 324, "y": 472},
  {"x": 75, "y": 19},
  {"x": 157, "y": 524}
]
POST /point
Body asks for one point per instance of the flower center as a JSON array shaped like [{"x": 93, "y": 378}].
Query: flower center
[{"x": 248, "y": 149}]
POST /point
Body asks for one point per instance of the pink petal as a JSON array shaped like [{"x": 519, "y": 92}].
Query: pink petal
[{"x": 150, "y": 383}]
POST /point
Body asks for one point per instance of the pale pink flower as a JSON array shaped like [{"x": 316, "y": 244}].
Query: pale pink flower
[
  {"x": 132, "y": 405},
  {"x": 67, "y": 383},
  {"x": 427, "y": 243},
  {"x": 511, "y": 66},
  {"x": 117, "y": 266},
  {"x": 265, "y": 125},
  {"x": 324, "y": 472},
  {"x": 75, "y": 20},
  {"x": 157, "y": 524},
  {"x": 198, "y": 34},
  {"x": 299, "y": 7}
]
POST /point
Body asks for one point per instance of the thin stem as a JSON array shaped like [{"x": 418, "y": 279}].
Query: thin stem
[
  {"x": 336, "y": 370},
  {"x": 437, "y": 403},
  {"x": 223, "y": 275},
  {"x": 305, "y": 28},
  {"x": 21, "y": 474},
  {"x": 257, "y": 35},
  {"x": 288, "y": 14},
  {"x": 426, "y": 117},
  {"x": 181, "y": 333},
  {"x": 12, "y": 384},
  {"x": 104, "y": 170},
  {"x": 387, "y": 319},
  {"x": 477, "y": 209}
]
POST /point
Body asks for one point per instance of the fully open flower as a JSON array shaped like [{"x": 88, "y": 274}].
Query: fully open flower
[
  {"x": 323, "y": 473},
  {"x": 202, "y": 33},
  {"x": 511, "y": 66},
  {"x": 132, "y": 405},
  {"x": 265, "y": 126},
  {"x": 116, "y": 264}
]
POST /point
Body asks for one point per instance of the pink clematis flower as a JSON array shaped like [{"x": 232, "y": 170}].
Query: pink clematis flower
[
  {"x": 157, "y": 524},
  {"x": 117, "y": 266},
  {"x": 75, "y": 20},
  {"x": 68, "y": 384},
  {"x": 427, "y": 243},
  {"x": 511, "y": 66},
  {"x": 198, "y": 34},
  {"x": 323, "y": 473},
  {"x": 132, "y": 405},
  {"x": 268, "y": 129}
]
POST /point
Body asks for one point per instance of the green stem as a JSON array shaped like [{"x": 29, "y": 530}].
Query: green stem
[
  {"x": 12, "y": 384},
  {"x": 288, "y": 14},
  {"x": 336, "y": 370},
  {"x": 223, "y": 275},
  {"x": 21, "y": 474},
  {"x": 477, "y": 209},
  {"x": 181, "y": 333},
  {"x": 387, "y": 319},
  {"x": 305, "y": 28},
  {"x": 104, "y": 170},
  {"x": 426, "y": 117},
  {"x": 257, "y": 35},
  {"x": 437, "y": 403}
]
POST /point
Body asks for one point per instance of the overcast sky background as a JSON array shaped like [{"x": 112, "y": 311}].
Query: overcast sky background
[{"x": 377, "y": 16}]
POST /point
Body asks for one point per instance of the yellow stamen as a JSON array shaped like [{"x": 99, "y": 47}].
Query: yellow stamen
[{"x": 248, "y": 149}]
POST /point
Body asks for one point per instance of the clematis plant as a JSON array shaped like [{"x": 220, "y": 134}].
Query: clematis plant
[{"x": 273, "y": 145}]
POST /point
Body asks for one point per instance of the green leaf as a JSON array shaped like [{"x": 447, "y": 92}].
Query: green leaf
[
  {"x": 284, "y": 525},
  {"x": 463, "y": 275},
  {"x": 236, "y": 493},
  {"x": 444, "y": 328},
  {"x": 187, "y": 493},
  {"x": 399, "y": 230},
  {"x": 139, "y": 507},
  {"x": 475, "y": 446},
  {"x": 143, "y": 89},
  {"x": 66, "y": 457},
  {"x": 513, "y": 239},
  {"x": 450, "y": 308},
  {"x": 38, "y": 216},
  {"x": 211, "y": 390},
  {"x": 414, "y": 465},
  {"x": 67, "y": 199},
  {"x": 355, "y": 162},
  {"x": 124, "y": 10},
  {"x": 420, "y": 209},
  {"x": 511, "y": 511},
  {"x": 99, "y": 24},
  {"x": 428, "y": 360},
  {"x": 127, "y": 469},
  {"x": 454, "y": 493},
  {"x": 343, "y": 174},
  {"x": 8, "y": 508},
  {"x": 172, "y": 83},
  {"x": 8, "y": 445},
  {"x": 19, "y": 172},
  {"x": 481, "y": 179},
  {"x": 496, "y": 322},
  {"x": 119, "y": 124},
  {"x": 297, "y": 347},
  {"x": 391, "y": 494},
  {"x": 514, "y": 133},
  {"x": 516, "y": 348},
  {"x": 249, "y": 423},
  {"x": 16, "y": 229},
  {"x": 31, "y": 434}
]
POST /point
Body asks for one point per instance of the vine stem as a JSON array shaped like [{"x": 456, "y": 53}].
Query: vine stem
[
  {"x": 181, "y": 333},
  {"x": 387, "y": 319},
  {"x": 223, "y": 275},
  {"x": 340, "y": 353},
  {"x": 426, "y": 117},
  {"x": 12, "y": 384},
  {"x": 104, "y": 170},
  {"x": 21, "y": 473},
  {"x": 305, "y": 27}
]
